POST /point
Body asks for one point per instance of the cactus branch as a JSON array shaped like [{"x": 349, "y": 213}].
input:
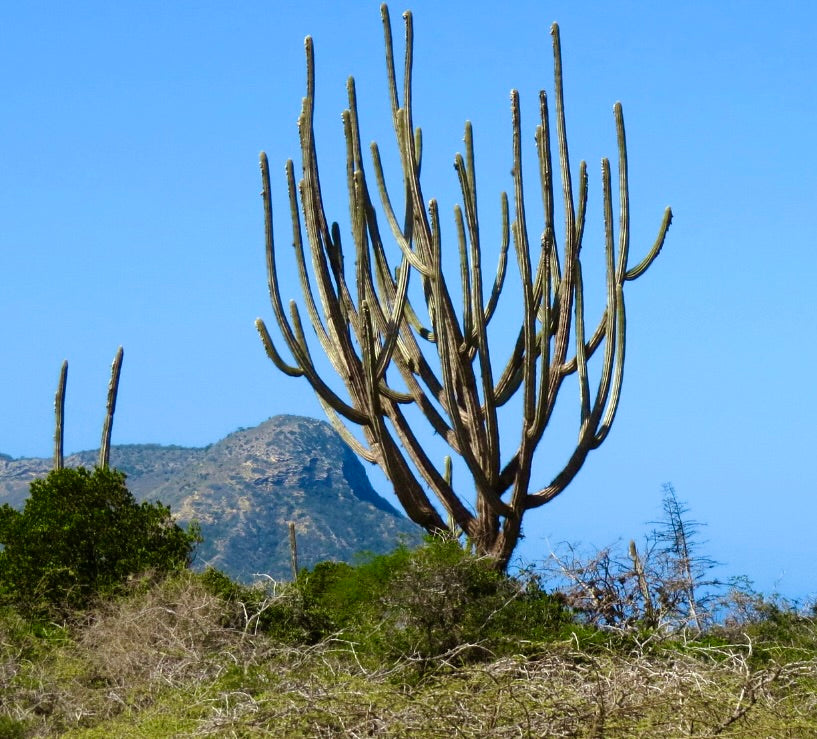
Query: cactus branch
[
  {"x": 110, "y": 407},
  {"x": 59, "y": 413},
  {"x": 403, "y": 344}
]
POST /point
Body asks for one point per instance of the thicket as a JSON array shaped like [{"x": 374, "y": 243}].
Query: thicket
[
  {"x": 81, "y": 536},
  {"x": 105, "y": 631},
  {"x": 417, "y": 604},
  {"x": 417, "y": 642}
]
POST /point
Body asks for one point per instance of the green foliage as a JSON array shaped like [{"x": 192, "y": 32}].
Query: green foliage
[
  {"x": 773, "y": 628},
  {"x": 426, "y": 602},
  {"x": 80, "y": 535},
  {"x": 12, "y": 728},
  {"x": 186, "y": 655}
]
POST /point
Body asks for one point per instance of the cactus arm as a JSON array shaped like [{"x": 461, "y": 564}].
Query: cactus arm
[
  {"x": 618, "y": 372},
  {"x": 580, "y": 216},
  {"x": 340, "y": 351},
  {"x": 310, "y": 373},
  {"x": 642, "y": 266},
  {"x": 542, "y": 415},
  {"x": 570, "y": 366},
  {"x": 390, "y": 70},
  {"x": 613, "y": 338},
  {"x": 581, "y": 349},
  {"x": 107, "y": 428},
  {"x": 519, "y": 230},
  {"x": 59, "y": 416},
  {"x": 563, "y": 299},
  {"x": 300, "y": 260},
  {"x": 478, "y": 312},
  {"x": 614, "y": 312},
  {"x": 564, "y": 157},
  {"x": 399, "y": 236},
  {"x": 511, "y": 377},
  {"x": 465, "y": 276},
  {"x": 356, "y": 446},
  {"x": 272, "y": 353},
  {"x": 545, "y": 161},
  {"x": 499, "y": 280},
  {"x": 272, "y": 279},
  {"x": 624, "y": 196}
]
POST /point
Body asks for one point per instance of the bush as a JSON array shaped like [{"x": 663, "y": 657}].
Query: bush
[
  {"x": 446, "y": 599},
  {"x": 80, "y": 535},
  {"x": 12, "y": 728},
  {"x": 424, "y": 603}
]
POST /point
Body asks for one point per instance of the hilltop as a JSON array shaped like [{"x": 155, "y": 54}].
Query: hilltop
[{"x": 245, "y": 488}]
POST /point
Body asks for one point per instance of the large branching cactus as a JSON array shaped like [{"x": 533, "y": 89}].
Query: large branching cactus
[{"x": 371, "y": 327}]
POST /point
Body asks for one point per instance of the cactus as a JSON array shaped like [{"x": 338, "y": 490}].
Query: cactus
[
  {"x": 107, "y": 428},
  {"x": 372, "y": 331},
  {"x": 59, "y": 413}
]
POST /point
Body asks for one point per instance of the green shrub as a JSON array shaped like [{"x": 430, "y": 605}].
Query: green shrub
[
  {"x": 81, "y": 534},
  {"x": 445, "y": 599},
  {"x": 422, "y": 603},
  {"x": 12, "y": 728}
]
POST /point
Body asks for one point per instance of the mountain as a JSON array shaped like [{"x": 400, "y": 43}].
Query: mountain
[{"x": 245, "y": 489}]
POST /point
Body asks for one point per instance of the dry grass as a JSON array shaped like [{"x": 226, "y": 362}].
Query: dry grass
[
  {"x": 563, "y": 694},
  {"x": 162, "y": 663}
]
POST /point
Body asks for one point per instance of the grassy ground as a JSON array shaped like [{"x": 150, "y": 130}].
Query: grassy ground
[{"x": 175, "y": 659}]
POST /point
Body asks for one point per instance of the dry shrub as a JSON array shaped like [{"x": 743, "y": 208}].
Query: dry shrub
[
  {"x": 562, "y": 693},
  {"x": 166, "y": 651},
  {"x": 170, "y": 633},
  {"x": 124, "y": 654}
]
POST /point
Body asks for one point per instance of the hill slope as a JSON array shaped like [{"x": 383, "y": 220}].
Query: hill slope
[{"x": 244, "y": 489}]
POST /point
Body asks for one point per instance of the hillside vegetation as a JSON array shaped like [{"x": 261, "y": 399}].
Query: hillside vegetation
[
  {"x": 422, "y": 643},
  {"x": 105, "y": 631}
]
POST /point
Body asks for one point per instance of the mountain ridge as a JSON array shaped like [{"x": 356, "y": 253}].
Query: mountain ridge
[{"x": 245, "y": 489}]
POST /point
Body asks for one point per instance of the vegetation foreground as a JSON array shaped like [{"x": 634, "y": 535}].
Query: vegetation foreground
[{"x": 421, "y": 643}]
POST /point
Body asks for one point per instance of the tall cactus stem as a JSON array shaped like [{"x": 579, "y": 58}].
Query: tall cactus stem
[
  {"x": 395, "y": 342},
  {"x": 110, "y": 407},
  {"x": 59, "y": 413}
]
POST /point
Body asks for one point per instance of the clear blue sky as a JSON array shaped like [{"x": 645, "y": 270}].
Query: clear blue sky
[{"x": 130, "y": 214}]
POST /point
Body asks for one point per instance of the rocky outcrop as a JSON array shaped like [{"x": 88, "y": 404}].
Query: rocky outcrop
[{"x": 246, "y": 488}]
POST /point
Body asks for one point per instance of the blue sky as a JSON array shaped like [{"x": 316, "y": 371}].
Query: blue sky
[{"x": 130, "y": 214}]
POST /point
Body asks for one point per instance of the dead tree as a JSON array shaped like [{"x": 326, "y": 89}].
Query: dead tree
[{"x": 371, "y": 330}]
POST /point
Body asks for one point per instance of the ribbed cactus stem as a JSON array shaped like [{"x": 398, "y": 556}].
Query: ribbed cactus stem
[
  {"x": 59, "y": 413},
  {"x": 293, "y": 551},
  {"x": 396, "y": 342},
  {"x": 107, "y": 428}
]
